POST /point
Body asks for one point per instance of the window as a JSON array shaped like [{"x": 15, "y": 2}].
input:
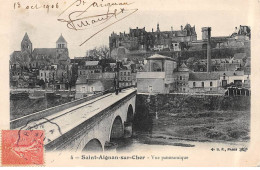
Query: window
[
  {"x": 41, "y": 74},
  {"x": 79, "y": 72},
  {"x": 129, "y": 73},
  {"x": 202, "y": 84},
  {"x": 210, "y": 83},
  {"x": 121, "y": 73},
  {"x": 194, "y": 84},
  {"x": 83, "y": 89},
  {"x": 128, "y": 78},
  {"x": 180, "y": 77},
  {"x": 125, "y": 73},
  {"x": 150, "y": 89}
]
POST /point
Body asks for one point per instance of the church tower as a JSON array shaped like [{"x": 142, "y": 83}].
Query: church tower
[
  {"x": 62, "y": 51},
  {"x": 26, "y": 44},
  {"x": 158, "y": 27},
  {"x": 61, "y": 42}
]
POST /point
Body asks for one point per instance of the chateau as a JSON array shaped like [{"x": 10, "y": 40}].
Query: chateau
[
  {"x": 139, "y": 43},
  {"x": 140, "y": 39}
]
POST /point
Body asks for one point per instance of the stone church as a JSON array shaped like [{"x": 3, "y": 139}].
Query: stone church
[{"x": 39, "y": 58}]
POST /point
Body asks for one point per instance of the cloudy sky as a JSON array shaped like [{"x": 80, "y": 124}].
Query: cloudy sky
[{"x": 44, "y": 29}]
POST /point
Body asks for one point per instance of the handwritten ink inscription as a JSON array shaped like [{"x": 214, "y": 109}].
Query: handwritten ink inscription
[
  {"x": 35, "y": 6},
  {"x": 81, "y": 15}
]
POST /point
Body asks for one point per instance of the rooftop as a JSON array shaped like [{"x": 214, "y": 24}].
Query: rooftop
[
  {"x": 61, "y": 39},
  {"x": 239, "y": 55},
  {"x": 91, "y": 63},
  {"x": 150, "y": 75},
  {"x": 231, "y": 73},
  {"x": 159, "y": 57},
  {"x": 202, "y": 76}
]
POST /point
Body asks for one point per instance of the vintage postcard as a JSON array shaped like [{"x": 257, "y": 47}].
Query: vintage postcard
[{"x": 130, "y": 83}]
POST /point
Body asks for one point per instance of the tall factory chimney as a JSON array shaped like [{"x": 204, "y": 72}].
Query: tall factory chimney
[{"x": 209, "y": 51}]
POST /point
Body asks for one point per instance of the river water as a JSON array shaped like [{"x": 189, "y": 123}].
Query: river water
[{"x": 145, "y": 138}]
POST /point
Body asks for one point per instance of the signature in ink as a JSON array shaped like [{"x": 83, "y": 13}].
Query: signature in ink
[{"x": 82, "y": 19}]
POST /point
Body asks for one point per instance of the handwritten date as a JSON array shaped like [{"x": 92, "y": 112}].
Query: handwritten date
[{"x": 19, "y": 5}]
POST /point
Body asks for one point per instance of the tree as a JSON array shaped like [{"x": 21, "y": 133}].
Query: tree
[
  {"x": 41, "y": 83},
  {"x": 98, "y": 53},
  {"x": 73, "y": 76},
  {"x": 105, "y": 63}
]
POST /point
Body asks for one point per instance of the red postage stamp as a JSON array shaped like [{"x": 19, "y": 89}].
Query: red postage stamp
[{"x": 22, "y": 147}]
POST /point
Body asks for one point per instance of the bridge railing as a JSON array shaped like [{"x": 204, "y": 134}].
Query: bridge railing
[
  {"x": 15, "y": 123},
  {"x": 121, "y": 88}
]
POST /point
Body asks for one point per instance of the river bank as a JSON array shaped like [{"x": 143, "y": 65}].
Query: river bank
[{"x": 192, "y": 118}]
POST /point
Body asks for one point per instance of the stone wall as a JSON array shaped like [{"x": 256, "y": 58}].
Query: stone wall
[{"x": 176, "y": 103}]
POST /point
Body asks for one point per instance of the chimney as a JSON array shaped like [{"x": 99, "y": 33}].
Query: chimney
[
  {"x": 181, "y": 27},
  {"x": 172, "y": 29},
  {"x": 209, "y": 51},
  {"x": 152, "y": 29}
]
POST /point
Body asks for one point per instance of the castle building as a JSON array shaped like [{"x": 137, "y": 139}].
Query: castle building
[{"x": 140, "y": 39}]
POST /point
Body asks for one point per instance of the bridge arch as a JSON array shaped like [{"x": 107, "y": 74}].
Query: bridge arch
[
  {"x": 94, "y": 145},
  {"x": 117, "y": 130}
]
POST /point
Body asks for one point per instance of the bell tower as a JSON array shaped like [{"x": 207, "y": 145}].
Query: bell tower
[
  {"x": 61, "y": 42},
  {"x": 26, "y": 44}
]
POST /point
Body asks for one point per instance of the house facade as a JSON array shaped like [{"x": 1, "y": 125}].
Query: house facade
[
  {"x": 93, "y": 83},
  {"x": 181, "y": 78},
  {"x": 236, "y": 78},
  {"x": 158, "y": 76},
  {"x": 201, "y": 82},
  {"x": 125, "y": 78}
]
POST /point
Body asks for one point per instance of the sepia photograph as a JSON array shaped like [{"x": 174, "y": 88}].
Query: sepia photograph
[{"x": 100, "y": 82}]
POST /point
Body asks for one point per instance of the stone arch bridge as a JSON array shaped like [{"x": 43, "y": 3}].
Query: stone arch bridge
[{"x": 88, "y": 124}]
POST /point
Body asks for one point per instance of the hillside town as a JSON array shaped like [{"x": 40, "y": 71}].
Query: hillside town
[{"x": 174, "y": 61}]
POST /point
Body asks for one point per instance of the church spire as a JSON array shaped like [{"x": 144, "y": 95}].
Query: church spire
[
  {"x": 26, "y": 44},
  {"x": 26, "y": 38}
]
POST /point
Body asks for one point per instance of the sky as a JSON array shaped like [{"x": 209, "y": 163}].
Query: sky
[{"x": 44, "y": 29}]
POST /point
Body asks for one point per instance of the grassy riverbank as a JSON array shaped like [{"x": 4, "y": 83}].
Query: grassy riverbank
[{"x": 193, "y": 118}]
